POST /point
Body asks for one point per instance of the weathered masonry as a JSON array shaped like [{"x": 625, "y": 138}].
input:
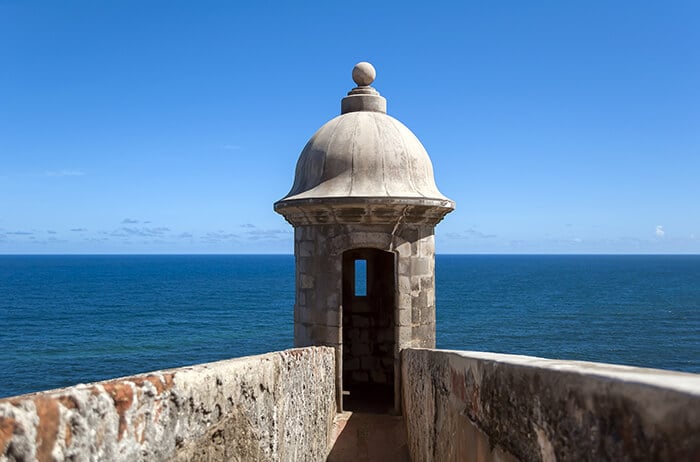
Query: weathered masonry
[
  {"x": 364, "y": 206},
  {"x": 273, "y": 407}
]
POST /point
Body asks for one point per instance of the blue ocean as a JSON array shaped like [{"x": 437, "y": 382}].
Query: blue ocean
[{"x": 78, "y": 319}]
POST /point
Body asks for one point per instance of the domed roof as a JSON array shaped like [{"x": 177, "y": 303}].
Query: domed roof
[{"x": 364, "y": 154}]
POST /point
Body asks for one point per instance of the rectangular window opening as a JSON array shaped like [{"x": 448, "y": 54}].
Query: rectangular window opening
[{"x": 360, "y": 278}]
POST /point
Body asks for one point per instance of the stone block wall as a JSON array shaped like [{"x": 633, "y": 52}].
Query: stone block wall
[
  {"x": 471, "y": 406},
  {"x": 319, "y": 264},
  {"x": 368, "y": 346},
  {"x": 319, "y": 271},
  {"x": 277, "y": 406}
]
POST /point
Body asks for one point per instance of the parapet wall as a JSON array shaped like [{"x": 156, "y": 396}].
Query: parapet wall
[
  {"x": 470, "y": 406},
  {"x": 277, "y": 406}
]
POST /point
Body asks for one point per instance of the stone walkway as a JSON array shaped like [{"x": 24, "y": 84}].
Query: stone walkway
[{"x": 364, "y": 437}]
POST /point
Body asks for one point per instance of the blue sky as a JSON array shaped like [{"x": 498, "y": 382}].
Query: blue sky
[{"x": 172, "y": 127}]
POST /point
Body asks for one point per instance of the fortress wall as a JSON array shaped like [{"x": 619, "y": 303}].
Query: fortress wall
[
  {"x": 277, "y": 406},
  {"x": 493, "y": 407}
]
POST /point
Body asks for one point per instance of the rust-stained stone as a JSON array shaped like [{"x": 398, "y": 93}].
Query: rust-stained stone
[
  {"x": 69, "y": 402},
  {"x": 68, "y": 435},
  {"x": 123, "y": 396},
  {"x": 47, "y": 430},
  {"x": 161, "y": 385},
  {"x": 7, "y": 429}
]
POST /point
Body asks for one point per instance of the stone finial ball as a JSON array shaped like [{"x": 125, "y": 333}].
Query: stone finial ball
[{"x": 363, "y": 74}]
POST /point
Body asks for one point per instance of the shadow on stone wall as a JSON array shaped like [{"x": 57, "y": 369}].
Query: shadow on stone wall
[{"x": 492, "y": 407}]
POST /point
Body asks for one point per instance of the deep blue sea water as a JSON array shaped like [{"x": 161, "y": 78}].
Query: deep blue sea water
[{"x": 71, "y": 319}]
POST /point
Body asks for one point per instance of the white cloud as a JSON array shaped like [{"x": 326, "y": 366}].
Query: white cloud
[
  {"x": 659, "y": 231},
  {"x": 140, "y": 232},
  {"x": 267, "y": 234},
  {"x": 218, "y": 236},
  {"x": 471, "y": 233},
  {"x": 64, "y": 172}
]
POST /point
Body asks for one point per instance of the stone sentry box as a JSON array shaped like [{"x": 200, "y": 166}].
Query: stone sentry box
[{"x": 364, "y": 190}]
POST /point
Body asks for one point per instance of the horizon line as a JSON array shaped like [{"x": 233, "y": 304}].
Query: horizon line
[{"x": 291, "y": 254}]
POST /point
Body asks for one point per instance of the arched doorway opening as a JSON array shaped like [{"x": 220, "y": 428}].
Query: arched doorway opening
[{"x": 368, "y": 334}]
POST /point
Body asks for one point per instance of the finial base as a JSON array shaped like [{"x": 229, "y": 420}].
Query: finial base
[{"x": 356, "y": 102}]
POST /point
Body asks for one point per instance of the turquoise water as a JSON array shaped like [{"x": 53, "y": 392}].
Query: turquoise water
[{"x": 71, "y": 319}]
